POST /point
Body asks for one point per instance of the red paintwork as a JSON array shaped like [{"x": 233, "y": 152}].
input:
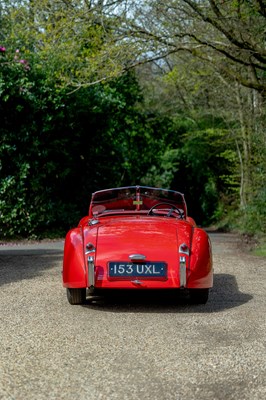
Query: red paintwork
[
  {"x": 74, "y": 270},
  {"x": 116, "y": 235}
]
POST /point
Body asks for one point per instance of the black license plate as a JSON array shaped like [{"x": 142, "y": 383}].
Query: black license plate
[{"x": 147, "y": 270}]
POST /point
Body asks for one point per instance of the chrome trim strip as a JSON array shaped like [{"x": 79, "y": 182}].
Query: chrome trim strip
[
  {"x": 182, "y": 271},
  {"x": 91, "y": 272},
  {"x": 137, "y": 257}
]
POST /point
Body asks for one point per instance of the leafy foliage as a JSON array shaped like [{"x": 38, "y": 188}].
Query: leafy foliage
[
  {"x": 56, "y": 148},
  {"x": 74, "y": 119}
]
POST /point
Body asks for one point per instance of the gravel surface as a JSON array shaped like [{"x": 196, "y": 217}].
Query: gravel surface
[{"x": 131, "y": 348}]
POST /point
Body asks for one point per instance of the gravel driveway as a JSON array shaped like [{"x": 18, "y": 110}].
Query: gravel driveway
[{"x": 136, "y": 348}]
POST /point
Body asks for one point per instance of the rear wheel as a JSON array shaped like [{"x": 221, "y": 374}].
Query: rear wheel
[
  {"x": 76, "y": 296},
  {"x": 198, "y": 296}
]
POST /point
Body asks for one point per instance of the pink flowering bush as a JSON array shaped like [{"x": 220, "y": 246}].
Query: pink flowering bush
[{"x": 15, "y": 59}]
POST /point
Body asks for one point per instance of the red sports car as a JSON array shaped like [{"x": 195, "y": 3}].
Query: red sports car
[{"x": 137, "y": 238}]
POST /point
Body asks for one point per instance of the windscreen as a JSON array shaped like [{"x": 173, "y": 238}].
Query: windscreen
[{"x": 134, "y": 198}]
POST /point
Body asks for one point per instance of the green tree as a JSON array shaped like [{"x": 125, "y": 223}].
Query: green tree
[
  {"x": 74, "y": 119},
  {"x": 56, "y": 148},
  {"x": 214, "y": 50}
]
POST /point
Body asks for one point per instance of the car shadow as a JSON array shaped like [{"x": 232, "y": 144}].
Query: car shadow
[
  {"x": 23, "y": 264},
  {"x": 224, "y": 295}
]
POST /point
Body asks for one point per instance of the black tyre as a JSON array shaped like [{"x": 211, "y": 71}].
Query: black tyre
[
  {"x": 199, "y": 296},
  {"x": 76, "y": 296}
]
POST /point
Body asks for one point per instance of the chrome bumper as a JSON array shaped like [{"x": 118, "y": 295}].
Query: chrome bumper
[
  {"x": 182, "y": 271},
  {"x": 91, "y": 272}
]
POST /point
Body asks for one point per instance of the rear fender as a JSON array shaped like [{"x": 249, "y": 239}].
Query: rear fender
[
  {"x": 201, "y": 268},
  {"x": 74, "y": 267},
  {"x": 191, "y": 221}
]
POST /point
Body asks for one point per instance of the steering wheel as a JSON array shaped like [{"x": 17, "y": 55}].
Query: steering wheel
[{"x": 171, "y": 207}]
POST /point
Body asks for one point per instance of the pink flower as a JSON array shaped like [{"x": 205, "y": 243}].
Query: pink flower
[
  {"x": 2, "y": 49},
  {"x": 25, "y": 63}
]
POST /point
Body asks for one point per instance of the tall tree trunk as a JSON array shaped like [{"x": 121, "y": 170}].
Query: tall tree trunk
[{"x": 244, "y": 148}]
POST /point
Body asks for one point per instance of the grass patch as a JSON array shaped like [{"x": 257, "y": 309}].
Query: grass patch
[{"x": 260, "y": 251}]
